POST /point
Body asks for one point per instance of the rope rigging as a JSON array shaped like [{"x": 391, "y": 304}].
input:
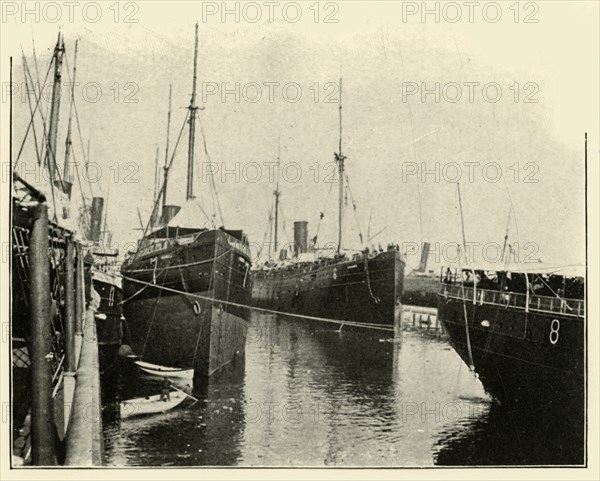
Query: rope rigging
[
  {"x": 38, "y": 98},
  {"x": 383, "y": 327},
  {"x": 168, "y": 168},
  {"x": 414, "y": 146},
  {"x": 212, "y": 177}
]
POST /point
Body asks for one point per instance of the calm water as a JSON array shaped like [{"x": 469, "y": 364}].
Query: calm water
[{"x": 312, "y": 396}]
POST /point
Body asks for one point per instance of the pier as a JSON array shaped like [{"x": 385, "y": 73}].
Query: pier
[
  {"x": 217, "y": 260},
  {"x": 55, "y": 348}
]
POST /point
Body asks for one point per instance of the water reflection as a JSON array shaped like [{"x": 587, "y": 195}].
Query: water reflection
[
  {"x": 503, "y": 436},
  {"x": 312, "y": 395}
]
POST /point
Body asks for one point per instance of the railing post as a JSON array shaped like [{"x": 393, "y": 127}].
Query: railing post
[{"x": 42, "y": 407}]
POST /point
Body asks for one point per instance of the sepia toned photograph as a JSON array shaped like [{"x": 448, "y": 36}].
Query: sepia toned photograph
[{"x": 311, "y": 235}]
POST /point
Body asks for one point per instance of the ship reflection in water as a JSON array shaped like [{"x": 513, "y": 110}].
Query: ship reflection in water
[{"x": 309, "y": 395}]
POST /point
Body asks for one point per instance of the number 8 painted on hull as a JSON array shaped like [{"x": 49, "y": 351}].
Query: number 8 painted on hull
[{"x": 554, "y": 328}]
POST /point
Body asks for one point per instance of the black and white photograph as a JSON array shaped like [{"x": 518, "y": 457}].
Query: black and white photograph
[{"x": 338, "y": 238}]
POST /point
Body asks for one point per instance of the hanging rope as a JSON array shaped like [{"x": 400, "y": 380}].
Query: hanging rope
[
  {"x": 322, "y": 215},
  {"x": 162, "y": 189},
  {"x": 462, "y": 286},
  {"x": 32, "y": 113},
  {"x": 212, "y": 177},
  {"x": 45, "y": 137},
  {"x": 37, "y": 104},
  {"x": 153, "y": 316},
  {"x": 375, "y": 298},
  {"x": 360, "y": 235}
]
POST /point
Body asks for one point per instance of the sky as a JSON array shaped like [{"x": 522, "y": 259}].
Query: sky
[{"x": 513, "y": 97}]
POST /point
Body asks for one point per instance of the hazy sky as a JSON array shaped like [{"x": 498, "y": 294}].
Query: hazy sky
[{"x": 546, "y": 73}]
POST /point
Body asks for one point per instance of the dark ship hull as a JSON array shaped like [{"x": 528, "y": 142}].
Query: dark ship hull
[
  {"x": 522, "y": 358},
  {"x": 363, "y": 289},
  {"x": 110, "y": 311},
  {"x": 169, "y": 328}
]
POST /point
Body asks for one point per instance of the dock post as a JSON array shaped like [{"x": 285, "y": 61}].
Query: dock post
[
  {"x": 70, "y": 366},
  {"x": 84, "y": 445},
  {"x": 79, "y": 301},
  {"x": 42, "y": 407},
  {"x": 69, "y": 308}
]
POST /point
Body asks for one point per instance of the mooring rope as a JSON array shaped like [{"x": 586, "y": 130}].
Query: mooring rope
[{"x": 383, "y": 327}]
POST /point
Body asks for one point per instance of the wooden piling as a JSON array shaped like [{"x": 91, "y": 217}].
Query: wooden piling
[
  {"x": 79, "y": 301},
  {"x": 42, "y": 411},
  {"x": 84, "y": 436},
  {"x": 79, "y": 290},
  {"x": 69, "y": 307}
]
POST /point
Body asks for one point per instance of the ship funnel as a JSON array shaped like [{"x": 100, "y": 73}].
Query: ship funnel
[
  {"x": 169, "y": 211},
  {"x": 300, "y": 237},
  {"x": 424, "y": 256},
  {"x": 96, "y": 218}
]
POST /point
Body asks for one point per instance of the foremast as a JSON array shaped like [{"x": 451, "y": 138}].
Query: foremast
[
  {"x": 192, "y": 120},
  {"x": 277, "y": 194},
  {"x": 59, "y": 51},
  {"x": 339, "y": 159}
]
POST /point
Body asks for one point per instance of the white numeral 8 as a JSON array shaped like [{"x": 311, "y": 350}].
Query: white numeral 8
[{"x": 554, "y": 328}]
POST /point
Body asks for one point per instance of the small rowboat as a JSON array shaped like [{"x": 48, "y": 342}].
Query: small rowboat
[
  {"x": 150, "y": 405},
  {"x": 164, "y": 371}
]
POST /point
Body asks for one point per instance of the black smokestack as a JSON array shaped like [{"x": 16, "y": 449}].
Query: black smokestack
[
  {"x": 169, "y": 211},
  {"x": 300, "y": 237},
  {"x": 96, "y": 218}
]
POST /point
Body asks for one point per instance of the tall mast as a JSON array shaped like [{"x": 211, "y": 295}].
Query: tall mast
[
  {"x": 506, "y": 235},
  {"x": 166, "y": 167},
  {"x": 68, "y": 143},
  {"x": 193, "y": 111},
  {"x": 339, "y": 158},
  {"x": 53, "y": 128},
  {"x": 277, "y": 194},
  {"x": 155, "y": 176},
  {"x": 103, "y": 235},
  {"x": 154, "y": 215},
  {"x": 270, "y": 234},
  {"x": 10, "y": 123}
]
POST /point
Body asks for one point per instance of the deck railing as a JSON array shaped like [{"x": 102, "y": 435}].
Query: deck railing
[{"x": 571, "y": 307}]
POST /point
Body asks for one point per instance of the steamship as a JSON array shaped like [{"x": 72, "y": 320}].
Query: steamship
[
  {"x": 187, "y": 284},
  {"x": 365, "y": 287},
  {"x": 106, "y": 280},
  {"x": 522, "y": 332}
]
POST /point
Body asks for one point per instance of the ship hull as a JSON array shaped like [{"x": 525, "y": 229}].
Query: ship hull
[
  {"x": 171, "y": 316},
  {"x": 110, "y": 311},
  {"x": 521, "y": 358},
  {"x": 361, "y": 290}
]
